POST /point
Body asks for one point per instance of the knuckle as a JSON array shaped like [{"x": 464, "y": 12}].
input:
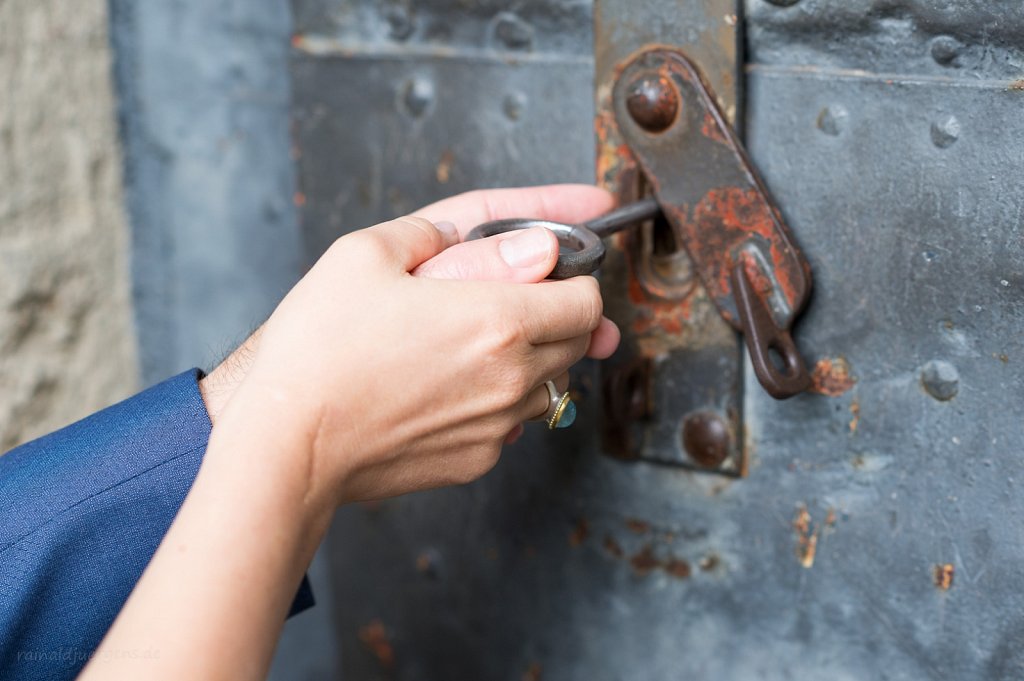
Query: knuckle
[
  {"x": 421, "y": 226},
  {"x": 366, "y": 245},
  {"x": 593, "y": 304}
]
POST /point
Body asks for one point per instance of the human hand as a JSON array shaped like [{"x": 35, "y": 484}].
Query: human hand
[
  {"x": 481, "y": 260},
  {"x": 472, "y": 355}
]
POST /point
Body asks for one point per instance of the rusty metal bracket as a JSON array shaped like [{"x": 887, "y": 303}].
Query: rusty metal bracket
[{"x": 718, "y": 207}]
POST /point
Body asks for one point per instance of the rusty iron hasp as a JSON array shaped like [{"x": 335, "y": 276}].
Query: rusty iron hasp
[{"x": 719, "y": 208}]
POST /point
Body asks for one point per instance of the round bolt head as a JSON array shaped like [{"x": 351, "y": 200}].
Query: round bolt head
[
  {"x": 945, "y": 132},
  {"x": 940, "y": 379},
  {"x": 706, "y": 439},
  {"x": 653, "y": 103}
]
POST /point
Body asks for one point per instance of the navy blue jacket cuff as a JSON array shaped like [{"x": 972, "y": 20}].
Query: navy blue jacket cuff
[{"x": 82, "y": 511}]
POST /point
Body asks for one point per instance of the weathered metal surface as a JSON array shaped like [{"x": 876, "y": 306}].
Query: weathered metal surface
[
  {"x": 647, "y": 280},
  {"x": 718, "y": 207},
  {"x": 863, "y": 543}
]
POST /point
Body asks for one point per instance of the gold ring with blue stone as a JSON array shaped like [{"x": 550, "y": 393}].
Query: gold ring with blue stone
[{"x": 561, "y": 411}]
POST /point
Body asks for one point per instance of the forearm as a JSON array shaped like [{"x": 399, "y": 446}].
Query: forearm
[{"x": 212, "y": 601}]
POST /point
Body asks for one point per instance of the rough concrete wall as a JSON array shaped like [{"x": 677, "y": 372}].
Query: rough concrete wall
[{"x": 67, "y": 345}]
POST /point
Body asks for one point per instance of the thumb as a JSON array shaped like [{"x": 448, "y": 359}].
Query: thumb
[
  {"x": 410, "y": 241},
  {"x": 522, "y": 257}
]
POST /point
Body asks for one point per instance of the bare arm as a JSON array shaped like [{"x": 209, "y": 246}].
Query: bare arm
[{"x": 316, "y": 422}]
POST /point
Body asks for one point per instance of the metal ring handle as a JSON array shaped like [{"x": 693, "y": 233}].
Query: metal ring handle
[{"x": 581, "y": 250}]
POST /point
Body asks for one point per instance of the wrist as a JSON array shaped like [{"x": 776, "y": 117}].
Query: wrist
[
  {"x": 265, "y": 438},
  {"x": 217, "y": 387}
]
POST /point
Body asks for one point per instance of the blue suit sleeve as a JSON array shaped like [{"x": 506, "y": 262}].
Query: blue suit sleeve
[{"x": 82, "y": 511}]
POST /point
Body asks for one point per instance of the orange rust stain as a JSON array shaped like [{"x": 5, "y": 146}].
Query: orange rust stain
[
  {"x": 806, "y": 536},
  {"x": 666, "y": 316},
  {"x": 299, "y": 199},
  {"x": 644, "y": 561},
  {"x": 638, "y": 526},
  {"x": 613, "y": 547},
  {"x": 831, "y": 377},
  {"x": 443, "y": 171},
  {"x": 855, "y": 415},
  {"x": 724, "y": 218},
  {"x": 533, "y": 672},
  {"x": 375, "y": 637},
  {"x": 580, "y": 533},
  {"x": 613, "y": 156},
  {"x": 1017, "y": 85},
  {"x": 678, "y": 568},
  {"x": 942, "y": 575},
  {"x": 709, "y": 128}
]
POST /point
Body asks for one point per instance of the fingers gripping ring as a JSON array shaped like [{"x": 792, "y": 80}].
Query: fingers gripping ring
[{"x": 581, "y": 249}]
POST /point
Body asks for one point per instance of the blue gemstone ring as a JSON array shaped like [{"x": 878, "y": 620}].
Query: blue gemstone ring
[{"x": 561, "y": 411}]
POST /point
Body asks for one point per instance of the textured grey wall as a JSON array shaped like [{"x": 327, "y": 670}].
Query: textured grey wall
[
  {"x": 67, "y": 346},
  {"x": 204, "y": 110}
]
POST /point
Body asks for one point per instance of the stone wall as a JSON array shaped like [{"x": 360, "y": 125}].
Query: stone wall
[{"x": 67, "y": 345}]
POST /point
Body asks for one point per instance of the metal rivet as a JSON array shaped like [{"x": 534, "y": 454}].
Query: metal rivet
[
  {"x": 653, "y": 102},
  {"x": 945, "y": 132},
  {"x": 706, "y": 439},
  {"x": 832, "y": 120},
  {"x": 946, "y": 49},
  {"x": 515, "y": 33},
  {"x": 940, "y": 379},
  {"x": 417, "y": 96},
  {"x": 400, "y": 22},
  {"x": 513, "y": 105}
]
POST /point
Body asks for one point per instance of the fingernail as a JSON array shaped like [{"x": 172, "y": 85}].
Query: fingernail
[
  {"x": 448, "y": 231},
  {"x": 526, "y": 248}
]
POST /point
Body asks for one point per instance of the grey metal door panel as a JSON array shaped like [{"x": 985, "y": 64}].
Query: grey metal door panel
[{"x": 879, "y": 532}]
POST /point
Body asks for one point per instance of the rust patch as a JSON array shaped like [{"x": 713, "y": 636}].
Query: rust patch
[
  {"x": 644, "y": 561},
  {"x": 854, "y": 415},
  {"x": 375, "y": 638},
  {"x": 709, "y": 128},
  {"x": 533, "y": 672},
  {"x": 638, "y": 526},
  {"x": 613, "y": 155},
  {"x": 299, "y": 199},
  {"x": 580, "y": 533},
  {"x": 942, "y": 575},
  {"x": 806, "y": 536},
  {"x": 831, "y": 377},
  {"x": 722, "y": 220},
  {"x": 678, "y": 568},
  {"x": 613, "y": 548},
  {"x": 1017, "y": 85},
  {"x": 444, "y": 166}
]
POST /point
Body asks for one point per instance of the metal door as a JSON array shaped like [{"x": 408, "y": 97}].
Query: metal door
[{"x": 875, "y": 530}]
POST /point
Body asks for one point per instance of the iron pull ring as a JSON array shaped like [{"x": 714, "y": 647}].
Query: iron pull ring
[{"x": 581, "y": 248}]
